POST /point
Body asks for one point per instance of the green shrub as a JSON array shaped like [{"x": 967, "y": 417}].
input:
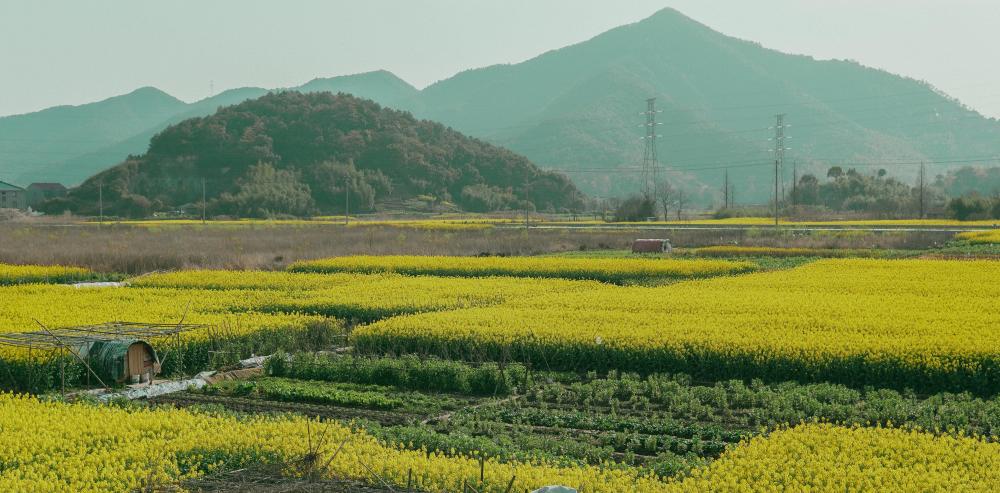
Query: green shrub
[{"x": 276, "y": 365}]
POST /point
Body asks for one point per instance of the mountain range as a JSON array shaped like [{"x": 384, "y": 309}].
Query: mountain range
[
  {"x": 579, "y": 110},
  {"x": 70, "y": 143}
]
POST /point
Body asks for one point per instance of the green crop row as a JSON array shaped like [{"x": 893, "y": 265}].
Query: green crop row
[
  {"x": 407, "y": 372},
  {"x": 285, "y": 390}
]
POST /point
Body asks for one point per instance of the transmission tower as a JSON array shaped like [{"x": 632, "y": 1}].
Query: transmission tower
[
  {"x": 650, "y": 162},
  {"x": 779, "y": 158}
]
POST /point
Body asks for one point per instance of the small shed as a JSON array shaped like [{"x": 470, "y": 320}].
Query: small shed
[
  {"x": 12, "y": 196},
  {"x": 651, "y": 245},
  {"x": 123, "y": 360}
]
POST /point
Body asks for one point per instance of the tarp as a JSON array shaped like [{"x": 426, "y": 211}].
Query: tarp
[
  {"x": 107, "y": 358},
  {"x": 97, "y": 284}
]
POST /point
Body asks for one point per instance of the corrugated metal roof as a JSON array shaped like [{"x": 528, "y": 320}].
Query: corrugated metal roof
[
  {"x": 47, "y": 186},
  {"x": 7, "y": 187}
]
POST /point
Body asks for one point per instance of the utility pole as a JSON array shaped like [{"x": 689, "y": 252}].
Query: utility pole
[
  {"x": 100, "y": 202},
  {"x": 347, "y": 203},
  {"x": 650, "y": 162},
  {"x": 921, "y": 199},
  {"x": 680, "y": 203},
  {"x": 725, "y": 190},
  {"x": 526, "y": 202},
  {"x": 779, "y": 157},
  {"x": 203, "y": 201},
  {"x": 795, "y": 179}
]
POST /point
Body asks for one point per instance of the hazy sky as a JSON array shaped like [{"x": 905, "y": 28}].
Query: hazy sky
[{"x": 71, "y": 52}]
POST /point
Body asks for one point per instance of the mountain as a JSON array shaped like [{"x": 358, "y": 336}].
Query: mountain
[
  {"x": 381, "y": 86},
  {"x": 77, "y": 168},
  {"x": 32, "y": 142},
  {"x": 578, "y": 108},
  {"x": 289, "y": 152},
  {"x": 70, "y": 143}
]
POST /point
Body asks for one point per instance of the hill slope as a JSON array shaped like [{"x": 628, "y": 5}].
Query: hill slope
[
  {"x": 293, "y": 153},
  {"x": 33, "y": 142},
  {"x": 578, "y": 107},
  {"x": 68, "y": 144}
]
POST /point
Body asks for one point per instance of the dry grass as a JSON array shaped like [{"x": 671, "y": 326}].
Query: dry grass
[{"x": 135, "y": 250}]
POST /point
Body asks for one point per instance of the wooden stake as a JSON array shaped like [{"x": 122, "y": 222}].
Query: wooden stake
[
  {"x": 62, "y": 371},
  {"x": 510, "y": 484},
  {"x": 91, "y": 370}
]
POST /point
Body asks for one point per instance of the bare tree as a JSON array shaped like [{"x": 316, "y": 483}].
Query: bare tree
[{"x": 666, "y": 193}]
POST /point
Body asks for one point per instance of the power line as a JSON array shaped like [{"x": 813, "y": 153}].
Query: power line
[{"x": 758, "y": 162}]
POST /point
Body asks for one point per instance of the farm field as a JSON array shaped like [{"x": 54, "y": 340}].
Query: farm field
[
  {"x": 135, "y": 250},
  {"x": 618, "y": 271},
  {"x": 457, "y": 224},
  {"x": 654, "y": 257},
  {"x": 28, "y": 274},
  {"x": 599, "y": 370},
  {"x": 981, "y": 237},
  {"x": 446, "y": 222},
  {"x": 826, "y": 320},
  {"x": 790, "y": 222}
]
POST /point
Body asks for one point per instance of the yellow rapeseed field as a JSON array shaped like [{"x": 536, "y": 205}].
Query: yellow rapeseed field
[
  {"x": 921, "y": 323},
  {"x": 616, "y": 270},
  {"x": 242, "y": 303},
  {"x": 56, "y": 447},
  {"x": 63, "y": 306},
  {"x": 759, "y": 251},
  {"x": 824, "y": 457},
  {"x": 360, "y": 296},
  {"x": 23, "y": 274},
  {"x": 429, "y": 224},
  {"x": 784, "y": 221},
  {"x": 981, "y": 237}
]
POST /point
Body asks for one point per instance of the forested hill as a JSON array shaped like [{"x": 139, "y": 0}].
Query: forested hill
[
  {"x": 67, "y": 144},
  {"x": 579, "y": 108},
  {"x": 294, "y": 153}
]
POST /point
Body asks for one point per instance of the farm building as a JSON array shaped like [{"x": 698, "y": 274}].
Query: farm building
[
  {"x": 126, "y": 360},
  {"x": 651, "y": 245},
  {"x": 12, "y": 196},
  {"x": 40, "y": 192}
]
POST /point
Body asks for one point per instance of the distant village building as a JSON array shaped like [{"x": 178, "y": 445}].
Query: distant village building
[
  {"x": 40, "y": 192},
  {"x": 12, "y": 196}
]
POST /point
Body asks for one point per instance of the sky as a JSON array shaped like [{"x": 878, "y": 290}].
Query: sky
[{"x": 72, "y": 52}]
